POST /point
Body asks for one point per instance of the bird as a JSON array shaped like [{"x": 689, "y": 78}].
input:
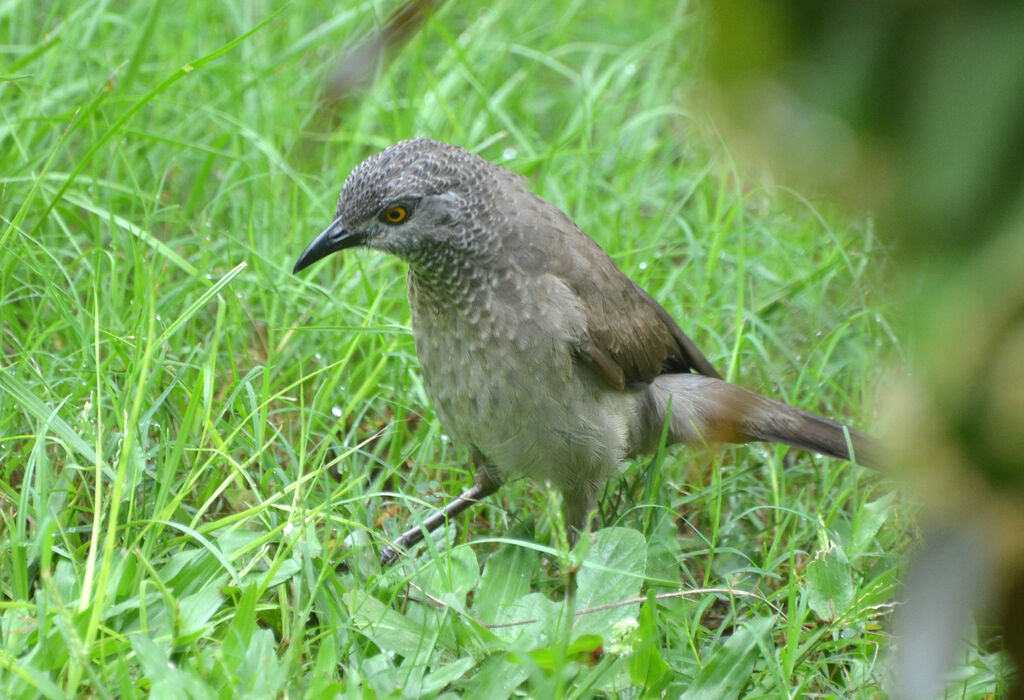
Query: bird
[{"x": 537, "y": 351}]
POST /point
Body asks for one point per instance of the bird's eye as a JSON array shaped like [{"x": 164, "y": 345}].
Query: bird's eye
[{"x": 394, "y": 215}]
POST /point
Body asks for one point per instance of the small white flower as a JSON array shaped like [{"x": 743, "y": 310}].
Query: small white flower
[{"x": 623, "y": 632}]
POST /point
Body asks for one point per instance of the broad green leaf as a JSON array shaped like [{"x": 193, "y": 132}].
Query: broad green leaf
[
  {"x": 446, "y": 674},
  {"x": 324, "y": 679},
  {"x": 612, "y": 572},
  {"x": 868, "y": 522},
  {"x": 243, "y": 623},
  {"x": 728, "y": 671},
  {"x": 647, "y": 668},
  {"x": 586, "y": 650},
  {"x": 389, "y": 630},
  {"x": 829, "y": 578},
  {"x": 164, "y": 678},
  {"x": 262, "y": 674},
  {"x": 496, "y": 678},
  {"x": 506, "y": 578},
  {"x": 196, "y": 610},
  {"x": 451, "y": 578},
  {"x": 530, "y": 621}
]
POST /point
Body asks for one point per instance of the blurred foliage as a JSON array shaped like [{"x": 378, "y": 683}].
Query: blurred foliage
[
  {"x": 916, "y": 111},
  {"x": 913, "y": 108}
]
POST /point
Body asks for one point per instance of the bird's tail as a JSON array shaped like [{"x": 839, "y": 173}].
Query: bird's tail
[{"x": 708, "y": 410}]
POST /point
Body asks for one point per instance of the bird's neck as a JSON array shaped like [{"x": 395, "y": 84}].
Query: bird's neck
[
  {"x": 456, "y": 283},
  {"x": 445, "y": 283}
]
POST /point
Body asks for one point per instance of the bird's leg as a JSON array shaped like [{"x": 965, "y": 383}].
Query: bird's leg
[
  {"x": 580, "y": 508},
  {"x": 486, "y": 482}
]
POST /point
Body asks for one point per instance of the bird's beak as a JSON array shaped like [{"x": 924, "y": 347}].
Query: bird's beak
[{"x": 333, "y": 239}]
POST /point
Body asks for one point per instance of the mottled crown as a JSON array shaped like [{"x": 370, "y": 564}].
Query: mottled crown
[{"x": 417, "y": 168}]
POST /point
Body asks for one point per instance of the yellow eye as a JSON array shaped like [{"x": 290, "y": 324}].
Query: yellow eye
[{"x": 395, "y": 215}]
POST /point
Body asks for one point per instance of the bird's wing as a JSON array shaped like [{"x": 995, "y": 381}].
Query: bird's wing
[{"x": 628, "y": 337}]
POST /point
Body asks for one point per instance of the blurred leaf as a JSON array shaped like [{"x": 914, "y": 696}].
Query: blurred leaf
[
  {"x": 451, "y": 578},
  {"x": 867, "y": 522},
  {"x": 612, "y": 572},
  {"x": 586, "y": 650},
  {"x": 155, "y": 660},
  {"x": 496, "y": 678},
  {"x": 728, "y": 671},
  {"x": 830, "y": 587},
  {"x": 324, "y": 676},
  {"x": 284, "y": 571},
  {"x": 505, "y": 579},
  {"x": 529, "y": 621},
  {"x": 239, "y": 633},
  {"x": 262, "y": 674},
  {"x": 389, "y": 630},
  {"x": 950, "y": 577},
  {"x": 447, "y": 673},
  {"x": 647, "y": 668},
  {"x": 25, "y": 680},
  {"x": 197, "y": 609}
]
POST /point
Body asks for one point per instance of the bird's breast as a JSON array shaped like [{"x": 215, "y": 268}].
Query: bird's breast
[{"x": 503, "y": 380}]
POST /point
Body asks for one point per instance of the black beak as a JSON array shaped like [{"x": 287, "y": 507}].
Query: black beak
[{"x": 333, "y": 239}]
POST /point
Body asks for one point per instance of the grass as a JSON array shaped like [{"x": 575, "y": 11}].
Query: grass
[{"x": 191, "y": 437}]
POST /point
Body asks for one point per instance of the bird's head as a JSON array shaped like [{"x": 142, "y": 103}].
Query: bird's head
[{"x": 418, "y": 199}]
